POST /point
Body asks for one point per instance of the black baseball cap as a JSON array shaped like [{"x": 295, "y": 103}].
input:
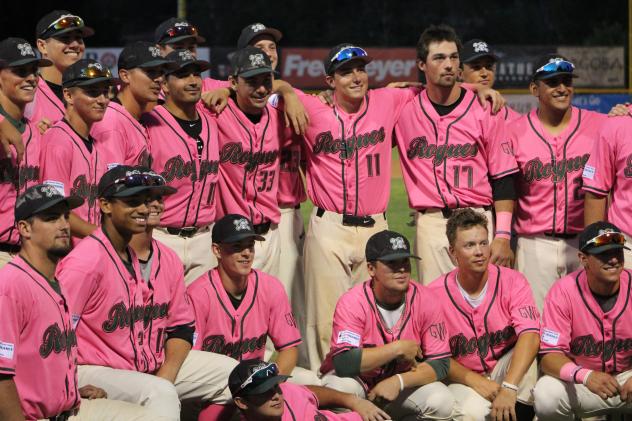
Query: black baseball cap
[
  {"x": 255, "y": 30},
  {"x": 37, "y": 199},
  {"x": 142, "y": 54},
  {"x": 59, "y": 22},
  {"x": 185, "y": 58},
  {"x": 16, "y": 52},
  {"x": 254, "y": 377},
  {"x": 175, "y": 30},
  {"x": 551, "y": 65},
  {"x": 387, "y": 245},
  {"x": 126, "y": 181},
  {"x": 87, "y": 72},
  {"x": 475, "y": 49},
  {"x": 601, "y": 236},
  {"x": 233, "y": 228},
  {"x": 250, "y": 61},
  {"x": 342, "y": 54}
]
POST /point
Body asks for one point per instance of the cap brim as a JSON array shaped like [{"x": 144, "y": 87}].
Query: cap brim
[
  {"x": 397, "y": 256},
  {"x": 198, "y": 39},
  {"x": 202, "y": 64},
  {"x": 238, "y": 237},
  {"x": 545, "y": 76},
  {"x": 334, "y": 67},
  {"x": 132, "y": 191},
  {"x": 86, "y": 31},
  {"x": 605, "y": 247},
  {"x": 481, "y": 55},
  {"x": 167, "y": 64},
  {"x": 87, "y": 82},
  {"x": 41, "y": 62},
  {"x": 72, "y": 202},
  {"x": 274, "y": 33},
  {"x": 265, "y": 386},
  {"x": 255, "y": 72}
]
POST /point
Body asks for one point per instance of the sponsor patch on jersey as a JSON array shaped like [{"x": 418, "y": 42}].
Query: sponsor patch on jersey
[
  {"x": 59, "y": 186},
  {"x": 195, "y": 336},
  {"x": 75, "y": 320},
  {"x": 348, "y": 337},
  {"x": 6, "y": 350},
  {"x": 550, "y": 337},
  {"x": 112, "y": 165},
  {"x": 589, "y": 172}
]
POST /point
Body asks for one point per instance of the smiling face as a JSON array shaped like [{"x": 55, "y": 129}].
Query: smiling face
[
  {"x": 185, "y": 44},
  {"x": 184, "y": 86},
  {"x": 252, "y": 92},
  {"x": 156, "y": 209},
  {"x": 605, "y": 267},
  {"x": 63, "y": 50},
  {"x": 235, "y": 259},
  {"x": 350, "y": 81},
  {"x": 89, "y": 102},
  {"x": 48, "y": 231},
  {"x": 18, "y": 83},
  {"x": 390, "y": 276},
  {"x": 442, "y": 64},
  {"x": 128, "y": 215},
  {"x": 265, "y": 406},
  {"x": 555, "y": 93},
  {"x": 471, "y": 249}
]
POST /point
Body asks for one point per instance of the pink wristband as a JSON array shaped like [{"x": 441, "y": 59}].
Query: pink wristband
[
  {"x": 503, "y": 224},
  {"x": 582, "y": 376},
  {"x": 568, "y": 372}
]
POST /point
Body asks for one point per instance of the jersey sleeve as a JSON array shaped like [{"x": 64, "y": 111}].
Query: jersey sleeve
[
  {"x": 435, "y": 337},
  {"x": 55, "y": 164},
  {"x": 282, "y": 326},
  {"x": 348, "y": 325},
  {"x": 79, "y": 278},
  {"x": 10, "y": 328},
  {"x": 400, "y": 97},
  {"x": 599, "y": 172},
  {"x": 500, "y": 157},
  {"x": 556, "y": 322},
  {"x": 209, "y": 84},
  {"x": 200, "y": 304},
  {"x": 525, "y": 316}
]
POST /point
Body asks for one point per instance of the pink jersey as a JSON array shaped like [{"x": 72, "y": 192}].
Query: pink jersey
[
  {"x": 509, "y": 114},
  {"x": 119, "y": 313},
  {"x": 291, "y": 188},
  {"x": 175, "y": 156},
  {"x": 67, "y": 164},
  {"x": 481, "y": 336},
  {"x": 122, "y": 139},
  {"x": 550, "y": 199},
  {"x": 249, "y": 163},
  {"x": 609, "y": 169},
  {"x": 448, "y": 161},
  {"x": 45, "y": 105},
  {"x": 358, "y": 324},
  {"x": 241, "y": 333},
  {"x": 38, "y": 346},
  {"x": 574, "y": 324},
  {"x": 349, "y": 155}
]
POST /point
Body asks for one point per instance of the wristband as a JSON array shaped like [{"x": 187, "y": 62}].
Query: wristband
[
  {"x": 582, "y": 376},
  {"x": 401, "y": 382},
  {"x": 510, "y": 386},
  {"x": 569, "y": 371},
  {"x": 503, "y": 224}
]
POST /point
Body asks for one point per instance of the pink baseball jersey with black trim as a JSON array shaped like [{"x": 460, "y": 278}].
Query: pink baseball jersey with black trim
[
  {"x": 123, "y": 138},
  {"x": 609, "y": 170},
  {"x": 509, "y": 114},
  {"x": 45, "y": 105},
  {"x": 38, "y": 347},
  {"x": 550, "y": 198},
  {"x": 249, "y": 163},
  {"x": 573, "y": 323},
  {"x": 67, "y": 164},
  {"x": 210, "y": 84},
  {"x": 358, "y": 323},
  {"x": 481, "y": 336},
  {"x": 447, "y": 161},
  {"x": 15, "y": 179},
  {"x": 291, "y": 188},
  {"x": 175, "y": 156},
  {"x": 241, "y": 333},
  {"x": 349, "y": 155}
]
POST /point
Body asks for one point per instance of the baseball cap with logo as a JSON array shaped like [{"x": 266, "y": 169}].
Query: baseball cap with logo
[
  {"x": 233, "y": 228},
  {"x": 255, "y": 30},
  {"x": 175, "y": 30},
  {"x": 126, "y": 181},
  {"x": 142, "y": 54},
  {"x": 59, "y": 22},
  {"x": 250, "y": 61},
  {"x": 38, "y": 198},
  {"x": 16, "y": 52},
  {"x": 254, "y": 377},
  {"x": 342, "y": 54},
  {"x": 185, "y": 58},
  {"x": 475, "y": 49},
  {"x": 601, "y": 236},
  {"x": 387, "y": 245},
  {"x": 552, "y": 65},
  {"x": 86, "y": 72}
]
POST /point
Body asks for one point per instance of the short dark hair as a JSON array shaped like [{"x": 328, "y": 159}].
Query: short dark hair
[
  {"x": 464, "y": 219},
  {"x": 436, "y": 33}
]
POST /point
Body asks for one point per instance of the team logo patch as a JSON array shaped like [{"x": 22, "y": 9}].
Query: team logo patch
[
  {"x": 155, "y": 52},
  {"x": 185, "y": 55},
  {"x": 348, "y": 337},
  {"x": 58, "y": 185},
  {"x": 507, "y": 148},
  {"x": 550, "y": 337},
  {"x": 26, "y": 49},
  {"x": 481, "y": 47},
  {"x": 6, "y": 350},
  {"x": 97, "y": 66},
  {"x": 179, "y": 24},
  {"x": 589, "y": 172},
  {"x": 398, "y": 243},
  {"x": 257, "y": 27},
  {"x": 195, "y": 336},
  {"x": 241, "y": 224},
  {"x": 113, "y": 165},
  {"x": 256, "y": 60},
  {"x": 75, "y": 320}
]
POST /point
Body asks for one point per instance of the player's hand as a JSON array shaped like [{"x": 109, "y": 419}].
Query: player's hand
[
  {"x": 368, "y": 410},
  {"x": 502, "y": 254},
  {"x": 216, "y": 100},
  {"x": 489, "y": 94},
  {"x": 408, "y": 350},
  {"x": 387, "y": 389},
  {"x": 92, "y": 392},
  {"x": 43, "y": 125},
  {"x": 10, "y": 136},
  {"x": 504, "y": 406},
  {"x": 295, "y": 114},
  {"x": 486, "y": 388},
  {"x": 603, "y": 385},
  {"x": 405, "y": 85},
  {"x": 619, "y": 110},
  {"x": 626, "y": 391},
  {"x": 326, "y": 97}
]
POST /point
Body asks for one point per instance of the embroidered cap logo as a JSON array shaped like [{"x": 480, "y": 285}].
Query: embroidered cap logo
[
  {"x": 398, "y": 243},
  {"x": 481, "y": 47},
  {"x": 242, "y": 224}
]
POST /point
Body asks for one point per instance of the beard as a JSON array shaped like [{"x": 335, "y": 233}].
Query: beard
[{"x": 57, "y": 253}]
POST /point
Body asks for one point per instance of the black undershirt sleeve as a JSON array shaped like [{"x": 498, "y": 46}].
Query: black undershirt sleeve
[
  {"x": 184, "y": 332},
  {"x": 504, "y": 188}
]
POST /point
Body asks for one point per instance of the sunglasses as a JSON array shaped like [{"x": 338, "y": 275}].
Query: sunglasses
[
  {"x": 137, "y": 180},
  {"x": 606, "y": 238},
  {"x": 65, "y": 22},
  {"x": 263, "y": 373},
  {"x": 556, "y": 66},
  {"x": 93, "y": 72},
  {"x": 347, "y": 53},
  {"x": 178, "y": 31}
]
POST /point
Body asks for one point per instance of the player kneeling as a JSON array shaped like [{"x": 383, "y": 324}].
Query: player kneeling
[
  {"x": 381, "y": 327},
  {"x": 587, "y": 332}
]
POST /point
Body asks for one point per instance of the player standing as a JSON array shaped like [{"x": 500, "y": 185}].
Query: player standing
[
  {"x": 494, "y": 326},
  {"x": 586, "y": 333},
  {"x": 177, "y": 34},
  {"x": 453, "y": 154},
  {"x": 380, "y": 329}
]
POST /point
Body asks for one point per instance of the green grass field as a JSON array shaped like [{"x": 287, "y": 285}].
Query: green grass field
[{"x": 398, "y": 211}]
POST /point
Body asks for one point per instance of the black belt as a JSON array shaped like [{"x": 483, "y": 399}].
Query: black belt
[
  {"x": 262, "y": 229},
  {"x": 563, "y": 235},
  {"x": 10, "y": 248},
  {"x": 447, "y": 212},
  {"x": 352, "y": 220},
  {"x": 183, "y": 232},
  {"x": 63, "y": 416},
  {"x": 297, "y": 206}
]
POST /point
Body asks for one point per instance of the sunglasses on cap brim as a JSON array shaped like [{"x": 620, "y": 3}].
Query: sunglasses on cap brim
[
  {"x": 559, "y": 66},
  {"x": 64, "y": 22},
  {"x": 138, "y": 180},
  {"x": 607, "y": 238},
  {"x": 180, "y": 31},
  {"x": 264, "y": 373},
  {"x": 348, "y": 53}
]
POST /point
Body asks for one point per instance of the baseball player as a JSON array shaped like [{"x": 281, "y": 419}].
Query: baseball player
[
  {"x": 551, "y": 145},
  {"x": 585, "y": 343},
  {"x": 260, "y": 392},
  {"x": 177, "y": 34},
  {"x": 133, "y": 335},
  {"x": 69, "y": 158},
  {"x": 380, "y": 329},
  {"x": 479, "y": 62},
  {"x": 59, "y": 35},
  {"x": 607, "y": 178},
  {"x": 120, "y": 135},
  {"x": 183, "y": 143},
  {"x": 494, "y": 326},
  {"x": 453, "y": 154},
  {"x": 38, "y": 347},
  {"x": 18, "y": 78}
]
